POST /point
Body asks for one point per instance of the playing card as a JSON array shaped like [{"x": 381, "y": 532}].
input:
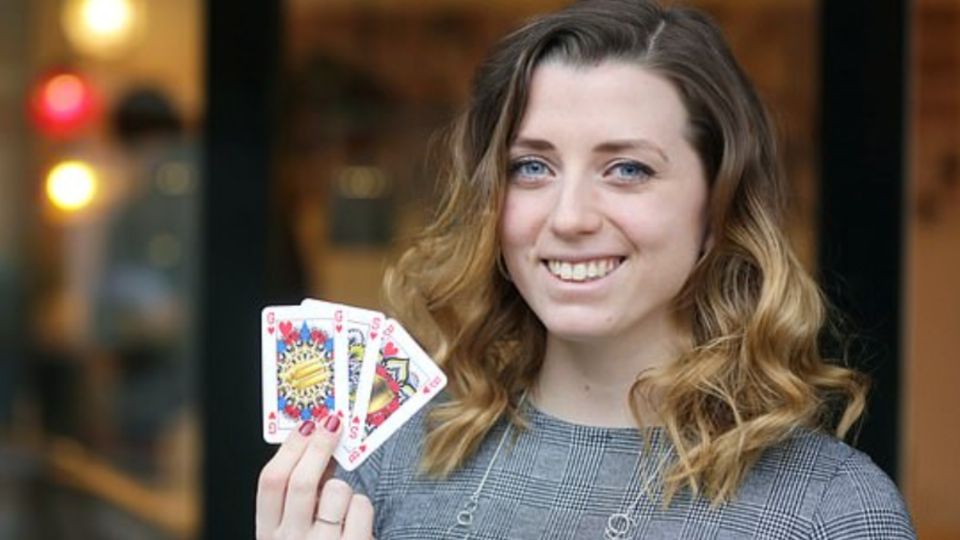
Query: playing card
[
  {"x": 303, "y": 367},
  {"x": 402, "y": 381},
  {"x": 363, "y": 331}
]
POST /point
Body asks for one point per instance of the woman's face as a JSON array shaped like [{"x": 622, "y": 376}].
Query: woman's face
[{"x": 605, "y": 213}]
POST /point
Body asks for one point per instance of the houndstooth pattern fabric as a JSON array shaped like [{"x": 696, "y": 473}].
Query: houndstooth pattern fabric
[{"x": 562, "y": 481}]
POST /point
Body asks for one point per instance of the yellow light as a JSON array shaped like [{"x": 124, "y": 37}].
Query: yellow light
[
  {"x": 108, "y": 18},
  {"x": 362, "y": 182},
  {"x": 71, "y": 185},
  {"x": 102, "y": 28}
]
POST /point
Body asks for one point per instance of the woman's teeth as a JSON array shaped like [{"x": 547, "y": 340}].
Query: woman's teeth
[{"x": 583, "y": 270}]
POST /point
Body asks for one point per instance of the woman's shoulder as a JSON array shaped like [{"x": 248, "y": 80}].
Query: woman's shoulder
[
  {"x": 846, "y": 494},
  {"x": 816, "y": 456}
]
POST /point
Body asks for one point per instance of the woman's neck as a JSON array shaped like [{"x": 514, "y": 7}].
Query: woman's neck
[{"x": 588, "y": 382}]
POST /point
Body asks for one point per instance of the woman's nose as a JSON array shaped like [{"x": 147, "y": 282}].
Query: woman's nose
[{"x": 575, "y": 212}]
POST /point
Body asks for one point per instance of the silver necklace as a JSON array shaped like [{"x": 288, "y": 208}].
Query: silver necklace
[
  {"x": 619, "y": 524},
  {"x": 465, "y": 515}
]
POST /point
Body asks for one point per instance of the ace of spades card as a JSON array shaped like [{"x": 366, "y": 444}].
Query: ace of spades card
[{"x": 303, "y": 366}]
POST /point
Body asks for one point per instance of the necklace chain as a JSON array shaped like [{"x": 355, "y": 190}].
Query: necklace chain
[
  {"x": 465, "y": 515},
  {"x": 619, "y": 524}
]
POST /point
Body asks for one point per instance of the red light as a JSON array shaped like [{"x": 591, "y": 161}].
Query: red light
[
  {"x": 63, "y": 96},
  {"x": 62, "y": 104}
]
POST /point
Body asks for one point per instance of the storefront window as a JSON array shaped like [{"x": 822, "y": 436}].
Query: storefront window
[
  {"x": 932, "y": 295},
  {"x": 99, "y": 212}
]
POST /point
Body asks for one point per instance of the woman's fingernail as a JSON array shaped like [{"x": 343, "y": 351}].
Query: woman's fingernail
[
  {"x": 307, "y": 428},
  {"x": 332, "y": 423}
]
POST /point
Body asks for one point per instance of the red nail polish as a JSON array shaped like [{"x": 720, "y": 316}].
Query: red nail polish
[
  {"x": 307, "y": 428},
  {"x": 332, "y": 423}
]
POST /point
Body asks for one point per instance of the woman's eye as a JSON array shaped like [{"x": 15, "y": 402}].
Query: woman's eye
[
  {"x": 529, "y": 168},
  {"x": 631, "y": 171}
]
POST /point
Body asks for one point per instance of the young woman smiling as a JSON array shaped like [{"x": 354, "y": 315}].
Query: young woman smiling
[{"x": 630, "y": 343}]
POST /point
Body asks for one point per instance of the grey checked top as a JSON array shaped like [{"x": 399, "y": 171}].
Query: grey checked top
[{"x": 562, "y": 481}]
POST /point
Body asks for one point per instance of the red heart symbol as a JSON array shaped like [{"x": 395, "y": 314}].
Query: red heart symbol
[
  {"x": 363, "y": 448},
  {"x": 273, "y": 416},
  {"x": 356, "y": 419},
  {"x": 339, "y": 328},
  {"x": 286, "y": 327},
  {"x": 390, "y": 350},
  {"x": 270, "y": 330},
  {"x": 373, "y": 335},
  {"x": 426, "y": 389}
]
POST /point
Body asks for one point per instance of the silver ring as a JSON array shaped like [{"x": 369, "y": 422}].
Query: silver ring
[{"x": 322, "y": 519}]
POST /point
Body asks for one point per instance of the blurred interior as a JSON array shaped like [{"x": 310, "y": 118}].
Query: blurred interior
[{"x": 101, "y": 265}]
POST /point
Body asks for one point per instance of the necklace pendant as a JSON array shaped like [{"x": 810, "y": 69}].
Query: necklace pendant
[
  {"x": 618, "y": 526},
  {"x": 461, "y": 529},
  {"x": 464, "y": 522},
  {"x": 465, "y": 518}
]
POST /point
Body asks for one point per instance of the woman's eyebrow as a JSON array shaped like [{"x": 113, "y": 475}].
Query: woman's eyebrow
[
  {"x": 606, "y": 147},
  {"x": 532, "y": 144},
  {"x": 612, "y": 147}
]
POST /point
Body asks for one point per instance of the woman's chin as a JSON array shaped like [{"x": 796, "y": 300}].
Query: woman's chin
[{"x": 579, "y": 331}]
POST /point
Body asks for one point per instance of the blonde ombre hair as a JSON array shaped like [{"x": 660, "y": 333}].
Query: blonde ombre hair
[{"x": 754, "y": 373}]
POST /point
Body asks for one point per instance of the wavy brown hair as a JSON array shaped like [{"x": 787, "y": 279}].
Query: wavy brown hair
[{"x": 754, "y": 373}]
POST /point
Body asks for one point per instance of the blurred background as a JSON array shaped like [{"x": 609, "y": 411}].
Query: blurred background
[{"x": 168, "y": 167}]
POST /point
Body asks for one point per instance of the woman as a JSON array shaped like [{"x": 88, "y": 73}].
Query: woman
[{"x": 631, "y": 345}]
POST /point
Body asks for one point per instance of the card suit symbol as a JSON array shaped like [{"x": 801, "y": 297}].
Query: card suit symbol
[
  {"x": 292, "y": 411},
  {"x": 363, "y": 448},
  {"x": 270, "y": 330},
  {"x": 426, "y": 389},
  {"x": 373, "y": 335},
  {"x": 286, "y": 327},
  {"x": 273, "y": 416},
  {"x": 390, "y": 350},
  {"x": 339, "y": 328},
  {"x": 356, "y": 419}
]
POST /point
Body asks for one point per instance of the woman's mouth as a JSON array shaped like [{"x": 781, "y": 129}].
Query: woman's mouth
[{"x": 582, "y": 271}]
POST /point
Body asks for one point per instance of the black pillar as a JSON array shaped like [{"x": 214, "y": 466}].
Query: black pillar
[
  {"x": 861, "y": 238},
  {"x": 18, "y": 213},
  {"x": 242, "y": 60}
]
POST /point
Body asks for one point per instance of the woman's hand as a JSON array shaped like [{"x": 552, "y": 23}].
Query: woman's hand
[{"x": 288, "y": 506}]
